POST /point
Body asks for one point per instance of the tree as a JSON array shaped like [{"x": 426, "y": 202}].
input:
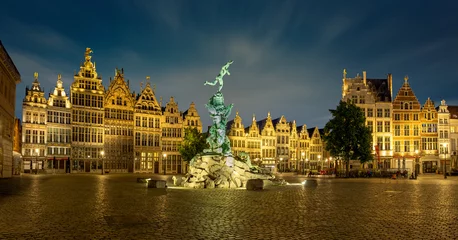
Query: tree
[
  {"x": 193, "y": 143},
  {"x": 347, "y": 136}
]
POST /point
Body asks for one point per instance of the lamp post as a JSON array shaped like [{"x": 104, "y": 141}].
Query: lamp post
[
  {"x": 282, "y": 168},
  {"x": 36, "y": 160},
  {"x": 445, "y": 159},
  {"x": 102, "y": 153},
  {"x": 165, "y": 161},
  {"x": 302, "y": 161}
]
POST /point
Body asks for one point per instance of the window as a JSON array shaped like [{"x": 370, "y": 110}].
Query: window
[
  {"x": 370, "y": 112},
  {"x": 415, "y": 117},
  {"x": 370, "y": 125},
  {"x": 379, "y": 112},
  {"x": 406, "y": 130},
  {"x": 397, "y": 146},
  {"x": 406, "y": 117},
  {"x": 379, "y": 126},
  {"x": 397, "y": 130},
  {"x": 387, "y": 143},
  {"x": 362, "y": 100},
  {"x": 416, "y": 130},
  {"x": 406, "y": 93},
  {"x": 387, "y": 112},
  {"x": 452, "y": 129},
  {"x": 397, "y": 116},
  {"x": 380, "y": 142},
  {"x": 354, "y": 99},
  {"x": 416, "y": 145},
  {"x": 387, "y": 127},
  {"x": 406, "y": 146}
]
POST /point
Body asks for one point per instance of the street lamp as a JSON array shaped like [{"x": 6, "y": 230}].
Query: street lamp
[
  {"x": 165, "y": 161},
  {"x": 36, "y": 160},
  {"x": 281, "y": 165},
  {"x": 416, "y": 163},
  {"x": 102, "y": 153},
  {"x": 445, "y": 159}
]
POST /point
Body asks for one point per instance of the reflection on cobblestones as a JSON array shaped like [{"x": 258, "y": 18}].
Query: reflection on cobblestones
[{"x": 115, "y": 206}]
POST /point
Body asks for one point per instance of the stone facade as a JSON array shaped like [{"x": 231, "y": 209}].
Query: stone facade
[
  {"x": 406, "y": 135},
  {"x": 374, "y": 97},
  {"x": 9, "y": 78},
  {"x": 278, "y": 144},
  {"x": 34, "y": 130},
  {"x": 98, "y": 129}
]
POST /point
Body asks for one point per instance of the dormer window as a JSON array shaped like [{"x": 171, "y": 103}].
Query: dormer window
[
  {"x": 406, "y": 93},
  {"x": 357, "y": 89}
]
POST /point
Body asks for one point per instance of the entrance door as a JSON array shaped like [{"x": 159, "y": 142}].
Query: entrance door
[
  {"x": 87, "y": 166},
  {"x": 130, "y": 166},
  {"x": 67, "y": 166},
  {"x": 156, "y": 166}
]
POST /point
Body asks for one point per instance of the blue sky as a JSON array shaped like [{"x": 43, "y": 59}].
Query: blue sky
[{"x": 288, "y": 55}]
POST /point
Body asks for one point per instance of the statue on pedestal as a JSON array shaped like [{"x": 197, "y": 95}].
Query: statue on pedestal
[{"x": 217, "y": 139}]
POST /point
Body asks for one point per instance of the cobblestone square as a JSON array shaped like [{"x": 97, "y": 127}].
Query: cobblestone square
[{"x": 117, "y": 207}]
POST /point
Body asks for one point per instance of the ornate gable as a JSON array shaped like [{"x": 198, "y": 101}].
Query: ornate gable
[
  {"x": 118, "y": 93},
  {"x": 237, "y": 123},
  {"x": 294, "y": 129},
  {"x": 147, "y": 99},
  {"x": 36, "y": 93},
  {"x": 254, "y": 130},
  {"x": 59, "y": 98},
  {"x": 406, "y": 99},
  {"x": 268, "y": 128}
]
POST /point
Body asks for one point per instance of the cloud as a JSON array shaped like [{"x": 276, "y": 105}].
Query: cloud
[
  {"x": 40, "y": 36},
  {"x": 167, "y": 12}
]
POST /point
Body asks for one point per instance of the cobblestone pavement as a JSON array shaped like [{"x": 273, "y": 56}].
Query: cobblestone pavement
[{"x": 116, "y": 207}]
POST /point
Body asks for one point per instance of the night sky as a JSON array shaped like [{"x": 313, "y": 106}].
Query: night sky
[{"x": 288, "y": 55}]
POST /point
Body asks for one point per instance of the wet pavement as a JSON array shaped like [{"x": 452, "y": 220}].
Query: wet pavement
[{"x": 117, "y": 207}]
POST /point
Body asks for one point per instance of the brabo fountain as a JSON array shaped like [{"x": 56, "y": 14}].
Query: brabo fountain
[{"x": 216, "y": 167}]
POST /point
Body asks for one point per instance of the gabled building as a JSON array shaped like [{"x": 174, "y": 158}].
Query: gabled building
[
  {"x": 446, "y": 154},
  {"x": 34, "y": 130},
  {"x": 278, "y": 144},
  {"x": 172, "y": 136},
  {"x": 453, "y": 110},
  {"x": 429, "y": 137},
  {"x": 406, "y": 123},
  {"x": 253, "y": 141},
  {"x": 147, "y": 131},
  {"x": 58, "y": 129},
  {"x": 87, "y": 97},
  {"x": 374, "y": 97},
  {"x": 118, "y": 144}
]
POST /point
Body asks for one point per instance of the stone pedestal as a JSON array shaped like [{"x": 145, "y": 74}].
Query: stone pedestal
[
  {"x": 157, "y": 184},
  {"x": 212, "y": 171},
  {"x": 255, "y": 184}
]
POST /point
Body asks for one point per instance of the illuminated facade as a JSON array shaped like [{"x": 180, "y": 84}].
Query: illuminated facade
[
  {"x": 453, "y": 110},
  {"x": 97, "y": 130},
  {"x": 59, "y": 129},
  {"x": 87, "y": 96},
  {"x": 147, "y": 131},
  {"x": 9, "y": 78},
  {"x": 118, "y": 145},
  {"x": 278, "y": 144},
  {"x": 17, "y": 147},
  {"x": 444, "y": 137},
  {"x": 373, "y": 96},
  {"x": 428, "y": 150},
  {"x": 34, "y": 127}
]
